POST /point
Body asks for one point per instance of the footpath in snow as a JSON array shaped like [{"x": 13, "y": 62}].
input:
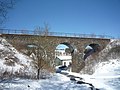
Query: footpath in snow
[{"x": 57, "y": 82}]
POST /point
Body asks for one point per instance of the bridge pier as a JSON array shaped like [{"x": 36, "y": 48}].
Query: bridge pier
[{"x": 77, "y": 62}]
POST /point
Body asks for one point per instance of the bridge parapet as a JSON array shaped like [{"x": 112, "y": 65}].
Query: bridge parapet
[{"x": 61, "y": 34}]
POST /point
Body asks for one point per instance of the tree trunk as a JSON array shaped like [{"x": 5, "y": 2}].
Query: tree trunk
[{"x": 38, "y": 73}]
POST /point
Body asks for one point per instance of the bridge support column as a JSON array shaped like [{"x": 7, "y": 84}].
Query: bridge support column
[
  {"x": 74, "y": 62},
  {"x": 77, "y": 62}
]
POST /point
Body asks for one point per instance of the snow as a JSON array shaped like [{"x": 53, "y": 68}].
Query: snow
[
  {"x": 57, "y": 82},
  {"x": 65, "y": 57},
  {"x": 113, "y": 43},
  {"x": 103, "y": 72},
  {"x": 13, "y": 61},
  {"x": 105, "y": 68},
  {"x": 97, "y": 83}
]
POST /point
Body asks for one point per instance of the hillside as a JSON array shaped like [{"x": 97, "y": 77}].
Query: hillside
[
  {"x": 13, "y": 62},
  {"x": 111, "y": 51}
]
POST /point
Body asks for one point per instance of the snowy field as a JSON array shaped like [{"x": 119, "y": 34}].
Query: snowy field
[
  {"x": 100, "y": 79},
  {"x": 57, "y": 82}
]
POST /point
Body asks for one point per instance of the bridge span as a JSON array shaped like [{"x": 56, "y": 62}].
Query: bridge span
[{"x": 49, "y": 43}]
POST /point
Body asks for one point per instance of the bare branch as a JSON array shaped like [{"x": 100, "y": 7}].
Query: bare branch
[{"x": 5, "y": 5}]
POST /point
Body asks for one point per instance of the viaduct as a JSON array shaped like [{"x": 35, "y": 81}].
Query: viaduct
[{"x": 49, "y": 43}]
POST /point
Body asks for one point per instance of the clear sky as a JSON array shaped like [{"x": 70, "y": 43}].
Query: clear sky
[{"x": 69, "y": 16}]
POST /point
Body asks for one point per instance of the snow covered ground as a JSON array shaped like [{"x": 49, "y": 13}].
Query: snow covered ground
[
  {"x": 61, "y": 82},
  {"x": 105, "y": 76},
  {"x": 57, "y": 82}
]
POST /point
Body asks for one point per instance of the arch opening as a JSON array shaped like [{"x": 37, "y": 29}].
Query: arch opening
[
  {"x": 63, "y": 56},
  {"x": 90, "y": 49}
]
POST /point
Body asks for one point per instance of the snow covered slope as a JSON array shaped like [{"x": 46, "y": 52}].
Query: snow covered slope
[
  {"x": 12, "y": 62},
  {"x": 111, "y": 51}
]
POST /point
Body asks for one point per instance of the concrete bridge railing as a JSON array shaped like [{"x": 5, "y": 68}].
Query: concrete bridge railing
[{"x": 30, "y": 32}]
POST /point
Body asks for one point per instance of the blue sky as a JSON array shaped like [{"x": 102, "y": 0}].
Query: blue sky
[{"x": 69, "y": 16}]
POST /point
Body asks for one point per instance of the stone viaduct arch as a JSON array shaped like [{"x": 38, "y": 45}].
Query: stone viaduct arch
[{"x": 77, "y": 45}]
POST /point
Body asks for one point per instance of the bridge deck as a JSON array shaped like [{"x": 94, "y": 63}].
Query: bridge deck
[{"x": 43, "y": 33}]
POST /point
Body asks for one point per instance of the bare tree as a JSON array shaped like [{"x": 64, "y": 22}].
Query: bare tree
[
  {"x": 46, "y": 30},
  {"x": 39, "y": 48},
  {"x": 43, "y": 31},
  {"x": 5, "y": 5},
  {"x": 41, "y": 57}
]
